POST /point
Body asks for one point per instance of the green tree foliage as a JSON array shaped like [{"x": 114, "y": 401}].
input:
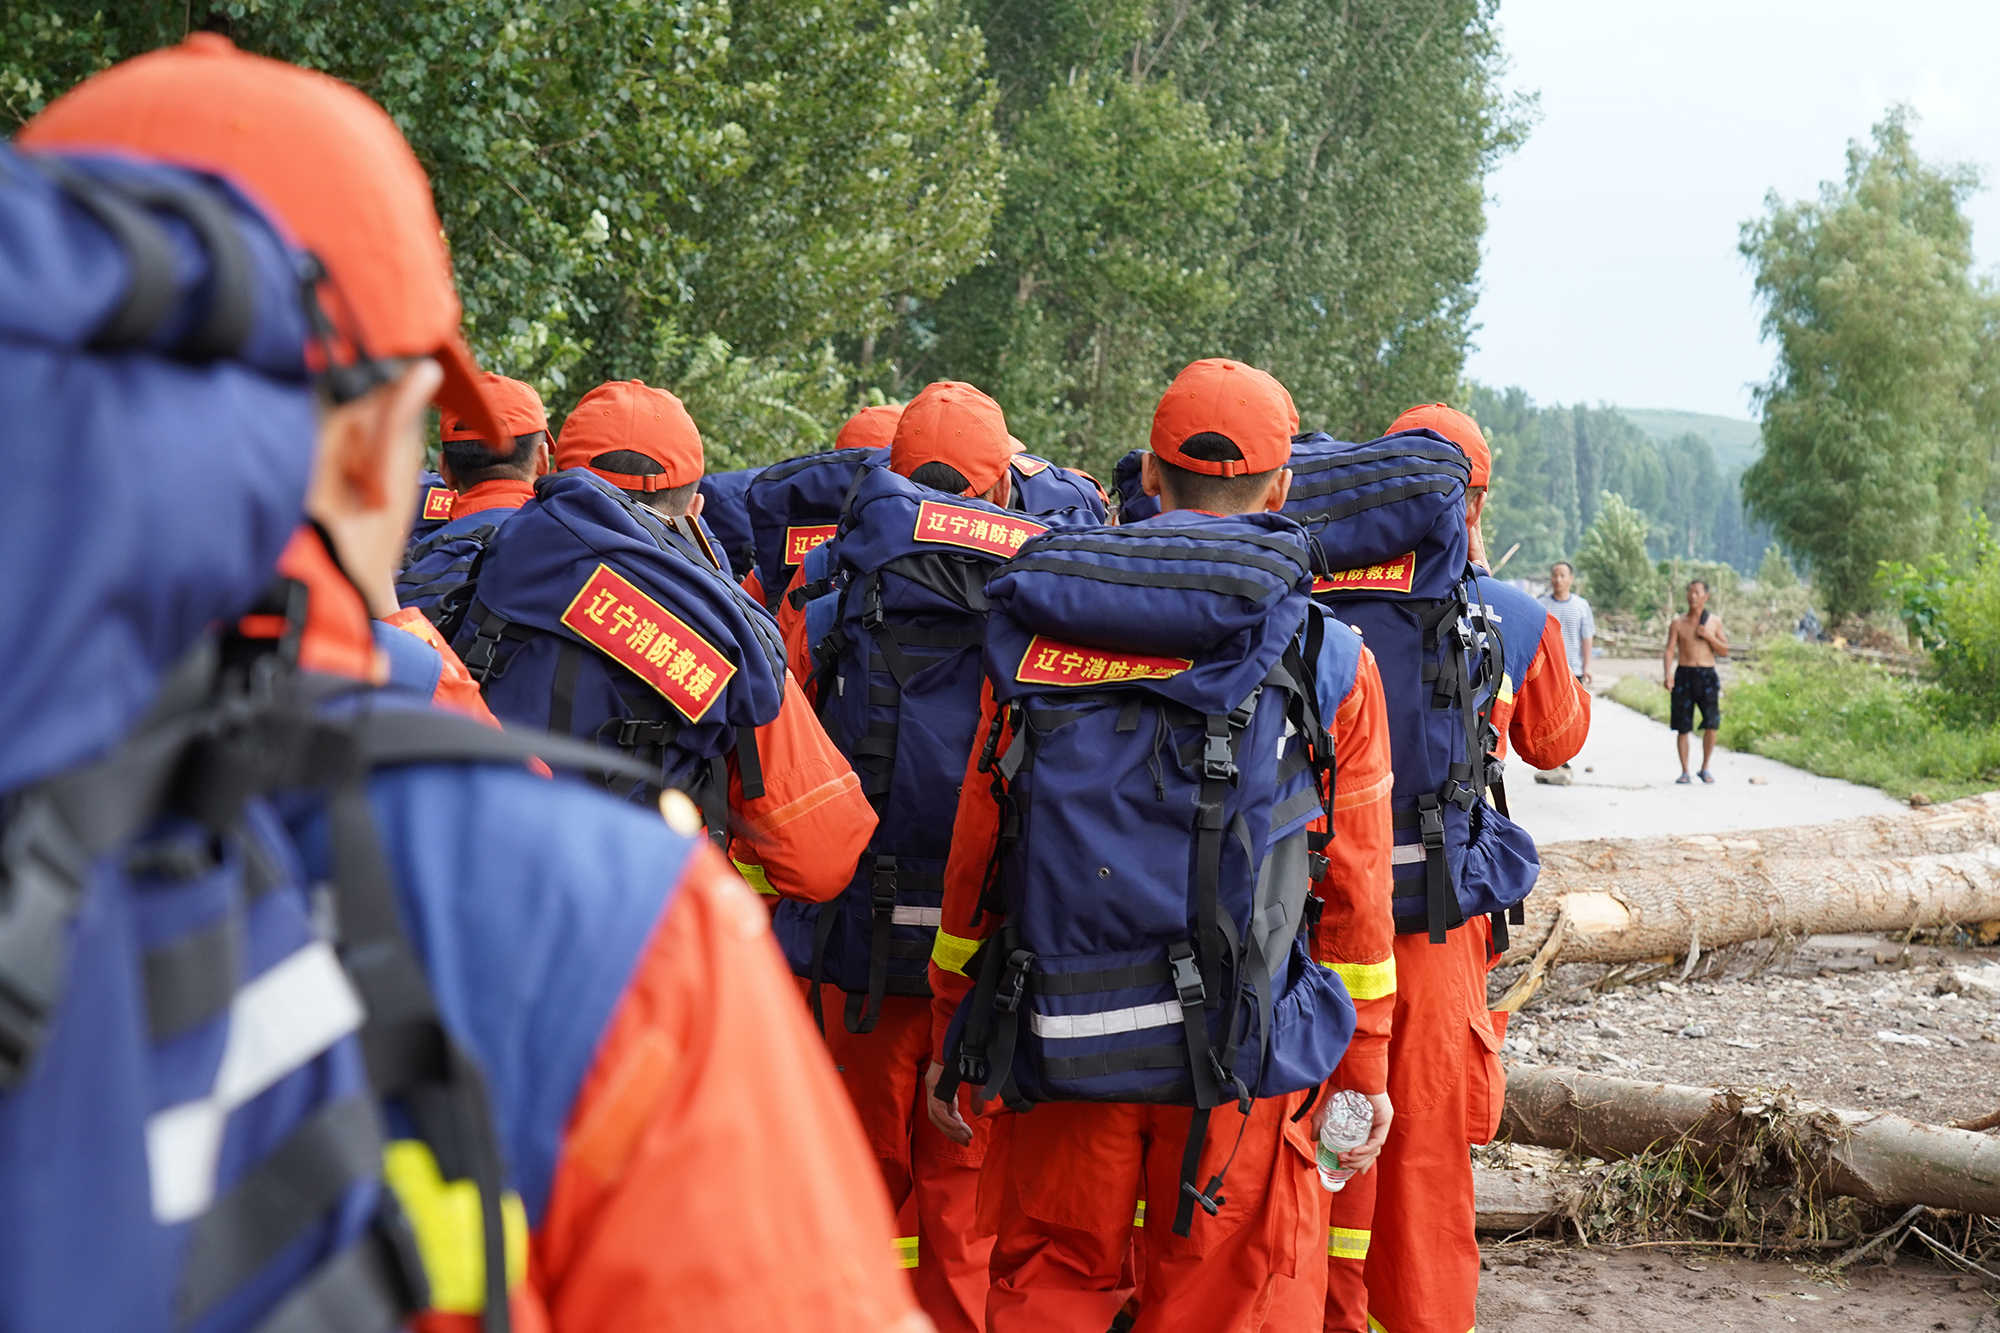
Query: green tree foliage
[
  {"x": 1551, "y": 463},
  {"x": 1612, "y": 556},
  {"x": 1294, "y": 183},
  {"x": 1870, "y": 418},
  {"x": 1774, "y": 571},
  {"x": 623, "y": 180}
]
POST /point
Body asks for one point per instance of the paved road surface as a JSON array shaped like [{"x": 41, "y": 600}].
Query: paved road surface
[{"x": 1631, "y": 792}]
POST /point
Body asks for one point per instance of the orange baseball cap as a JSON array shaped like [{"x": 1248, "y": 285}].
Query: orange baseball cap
[
  {"x": 1226, "y": 398},
  {"x": 629, "y": 414},
  {"x": 954, "y": 423},
  {"x": 331, "y": 167},
  {"x": 519, "y": 407},
  {"x": 870, "y": 428},
  {"x": 1455, "y": 426}
]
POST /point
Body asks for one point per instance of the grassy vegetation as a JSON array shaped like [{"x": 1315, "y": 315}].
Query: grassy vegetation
[{"x": 1816, "y": 708}]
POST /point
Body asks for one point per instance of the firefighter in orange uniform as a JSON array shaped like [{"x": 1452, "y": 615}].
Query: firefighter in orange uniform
[
  {"x": 645, "y": 1059},
  {"x": 1402, "y": 1254},
  {"x": 1057, "y": 1181}
]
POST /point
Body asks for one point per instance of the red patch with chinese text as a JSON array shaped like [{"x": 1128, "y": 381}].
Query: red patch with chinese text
[
  {"x": 1053, "y": 662},
  {"x": 974, "y": 529},
  {"x": 650, "y": 641},
  {"x": 1389, "y": 576},
  {"x": 437, "y": 502},
  {"x": 1029, "y": 467},
  {"x": 800, "y": 541}
]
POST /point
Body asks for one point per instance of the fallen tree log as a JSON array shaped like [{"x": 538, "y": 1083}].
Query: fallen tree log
[
  {"x": 1623, "y": 900},
  {"x": 1510, "y": 1201},
  {"x": 1880, "y": 1159}
]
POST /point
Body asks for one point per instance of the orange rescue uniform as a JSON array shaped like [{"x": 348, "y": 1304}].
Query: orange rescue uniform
[
  {"x": 1063, "y": 1183},
  {"x": 1402, "y": 1256}
]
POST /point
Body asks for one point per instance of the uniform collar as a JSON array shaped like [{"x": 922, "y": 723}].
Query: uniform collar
[
  {"x": 501, "y": 493},
  {"x": 338, "y": 639}
]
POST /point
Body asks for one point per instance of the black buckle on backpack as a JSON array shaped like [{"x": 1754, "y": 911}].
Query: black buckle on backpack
[
  {"x": 1317, "y": 864},
  {"x": 884, "y": 895},
  {"x": 1013, "y": 982},
  {"x": 1187, "y": 981},
  {"x": 1430, "y": 823},
  {"x": 1216, "y": 759},
  {"x": 636, "y": 731}
]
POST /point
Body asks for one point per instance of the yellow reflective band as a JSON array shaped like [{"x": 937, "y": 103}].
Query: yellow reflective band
[
  {"x": 1374, "y": 1327},
  {"x": 450, "y": 1237},
  {"x": 1367, "y": 981},
  {"x": 953, "y": 952},
  {"x": 1139, "y": 1217},
  {"x": 1346, "y": 1243},
  {"x": 906, "y": 1251},
  {"x": 1506, "y": 689},
  {"x": 754, "y": 876}
]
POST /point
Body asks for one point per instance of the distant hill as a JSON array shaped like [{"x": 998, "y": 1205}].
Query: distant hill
[{"x": 1733, "y": 439}]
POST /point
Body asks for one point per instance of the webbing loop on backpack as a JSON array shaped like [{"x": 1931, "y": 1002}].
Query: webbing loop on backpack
[
  {"x": 882, "y": 884},
  {"x": 1438, "y": 894}
]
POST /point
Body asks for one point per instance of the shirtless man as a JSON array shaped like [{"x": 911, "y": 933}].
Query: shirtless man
[{"x": 1694, "y": 641}]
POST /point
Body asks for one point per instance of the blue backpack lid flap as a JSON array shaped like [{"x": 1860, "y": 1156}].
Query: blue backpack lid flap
[
  {"x": 892, "y": 517},
  {"x": 149, "y": 495},
  {"x": 1043, "y": 487},
  {"x": 795, "y": 505},
  {"x": 1389, "y": 514},
  {"x": 584, "y": 561},
  {"x": 1197, "y": 607}
]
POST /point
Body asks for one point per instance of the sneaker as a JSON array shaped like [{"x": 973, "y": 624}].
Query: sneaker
[
  {"x": 1683, "y": 780},
  {"x": 1705, "y": 777},
  {"x": 1555, "y": 777}
]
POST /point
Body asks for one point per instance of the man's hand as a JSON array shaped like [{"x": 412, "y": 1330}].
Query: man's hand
[
  {"x": 1362, "y": 1158},
  {"x": 945, "y": 1114},
  {"x": 1667, "y": 681},
  {"x": 1586, "y": 675}
]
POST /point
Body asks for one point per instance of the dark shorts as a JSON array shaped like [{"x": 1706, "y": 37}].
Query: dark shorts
[{"x": 1692, "y": 686}]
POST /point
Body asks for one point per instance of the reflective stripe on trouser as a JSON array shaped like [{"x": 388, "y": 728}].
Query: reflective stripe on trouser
[
  {"x": 1422, "y": 1268},
  {"x": 1070, "y": 1176},
  {"x": 883, "y": 1072}
]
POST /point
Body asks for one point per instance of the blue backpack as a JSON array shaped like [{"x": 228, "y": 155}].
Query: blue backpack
[
  {"x": 1134, "y": 505},
  {"x": 1042, "y": 487},
  {"x": 726, "y": 511},
  {"x": 597, "y": 618},
  {"x": 434, "y": 501},
  {"x": 440, "y": 574},
  {"x": 1154, "y": 865},
  {"x": 191, "y": 1077},
  {"x": 1390, "y": 518},
  {"x": 898, "y": 682},
  {"x": 796, "y": 505}
]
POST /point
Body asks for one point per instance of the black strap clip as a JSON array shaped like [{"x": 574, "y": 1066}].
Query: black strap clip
[
  {"x": 884, "y": 884},
  {"x": 1430, "y": 823},
  {"x": 1186, "y": 976},
  {"x": 1210, "y": 1201},
  {"x": 1217, "y": 760},
  {"x": 1013, "y": 982}
]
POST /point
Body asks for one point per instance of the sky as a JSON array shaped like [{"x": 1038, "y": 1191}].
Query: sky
[{"x": 1611, "y": 272}]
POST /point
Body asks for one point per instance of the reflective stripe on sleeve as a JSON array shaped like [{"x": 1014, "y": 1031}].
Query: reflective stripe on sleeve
[
  {"x": 754, "y": 876},
  {"x": 1346, "y": 1243},
  {"x": 906, "y": 1251},
  {"x": 1367, "y": 981},
  {"x": 953, "y": 952}
]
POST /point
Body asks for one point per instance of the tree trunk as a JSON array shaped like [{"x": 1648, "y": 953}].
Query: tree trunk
[
  {"x": 1627, "y": 899},
  {"x": 1883, "y": 1159},
  {"x": 1510, "y": 1201}
]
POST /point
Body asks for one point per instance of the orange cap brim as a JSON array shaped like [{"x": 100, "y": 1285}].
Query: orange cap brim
[{"x": 462, "y": 394}]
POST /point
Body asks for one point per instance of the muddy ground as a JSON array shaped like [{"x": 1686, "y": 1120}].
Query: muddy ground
[
  {"x": 1861, "y": 1022},
  {"x": 1540, "y": 1287}
]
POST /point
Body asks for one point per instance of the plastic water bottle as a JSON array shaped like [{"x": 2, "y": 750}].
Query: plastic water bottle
[{"x": 1349, "y": 1117}]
